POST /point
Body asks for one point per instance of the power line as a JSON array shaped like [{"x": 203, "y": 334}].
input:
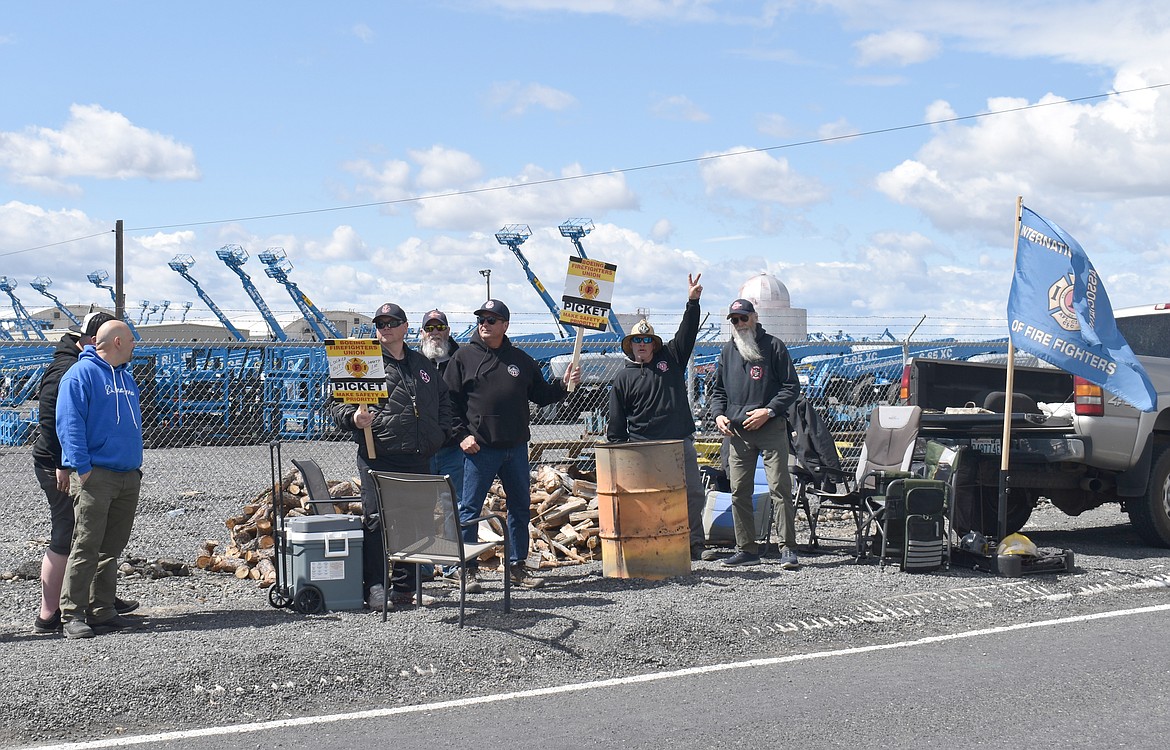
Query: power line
[{"x": 611, "y": 172}]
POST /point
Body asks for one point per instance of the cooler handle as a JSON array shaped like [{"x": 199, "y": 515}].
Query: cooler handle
[{"x": 337, "y": 537}]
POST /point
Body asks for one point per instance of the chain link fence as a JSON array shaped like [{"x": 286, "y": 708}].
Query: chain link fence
[{"x": 210, "y": 411}]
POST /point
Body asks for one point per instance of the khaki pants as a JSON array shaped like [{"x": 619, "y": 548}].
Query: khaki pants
[
  {"x": 104, "y": 508},
  {"x": 746, "y": 447}
]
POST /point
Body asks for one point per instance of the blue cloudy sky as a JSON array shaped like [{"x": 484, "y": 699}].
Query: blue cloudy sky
[{"x": 699, "y": 136}]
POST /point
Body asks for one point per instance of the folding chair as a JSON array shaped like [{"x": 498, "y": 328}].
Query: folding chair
[
  {"x": 419, "y": 516},
  {"x": 885, "y": 456},
  {"x": 320, "y": 502}
]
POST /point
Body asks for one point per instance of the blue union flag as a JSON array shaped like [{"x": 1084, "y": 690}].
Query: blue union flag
[{"x": 1059, "y": 311}]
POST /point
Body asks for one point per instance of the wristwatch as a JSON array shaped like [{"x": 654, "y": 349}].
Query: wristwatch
[{"x": 771, "y": 413}]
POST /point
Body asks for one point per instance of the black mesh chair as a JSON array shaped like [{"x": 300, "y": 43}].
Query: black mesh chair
[
  {"x": 419, "y": 516},
  {"x": 885, "y": 457},
  {"x": 320, "y": 502}
]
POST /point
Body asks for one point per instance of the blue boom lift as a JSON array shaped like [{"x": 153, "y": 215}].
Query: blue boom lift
[
  {"x": 277, "y": 265},
  {"x": 235, "y": 256},
  {"x": 98, "y": 279},
  {"x": 180, "y": 264}
]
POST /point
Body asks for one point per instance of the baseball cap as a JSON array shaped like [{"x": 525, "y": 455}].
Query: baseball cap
[
  {"x": 438, "y": 315},
  {"x": 496, "y": 308},
  {"x": 389, "y": 310},
  {"x": 92, "y": 322},
  {"x": 741, "y": 307}
]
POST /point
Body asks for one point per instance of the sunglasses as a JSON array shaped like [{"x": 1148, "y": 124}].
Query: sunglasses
[
  {"x": 486, "y": 321},
  {"x": 434, "y": 327},
  {"x": 388, "y": 324},
  {"x": 738, "y": 318},
  {"x": 642, "y": 339}
]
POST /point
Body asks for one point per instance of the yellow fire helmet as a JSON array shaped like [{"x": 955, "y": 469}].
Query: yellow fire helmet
[{"x": 1017, "y": 544}]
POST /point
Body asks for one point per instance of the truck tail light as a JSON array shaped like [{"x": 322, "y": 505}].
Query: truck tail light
[
  {"x": 1089, "y": 398},
  {"x": 904, "y": 388}
]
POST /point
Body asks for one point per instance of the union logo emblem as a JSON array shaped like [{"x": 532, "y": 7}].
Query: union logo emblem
[
  {"x": 1060, "y": 303},
  {"x": 357, "y": 367},
  {"x": 589, "y": 289}
]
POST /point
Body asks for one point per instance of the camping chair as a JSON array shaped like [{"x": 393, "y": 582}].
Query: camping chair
[
  {"x": 320, "y": 502},
  {"x": 914, "y": 516},
  {"x": 885, "y": 456},
  {"x": 420, "y": 524},
  {"x": 812, "y": 455}
]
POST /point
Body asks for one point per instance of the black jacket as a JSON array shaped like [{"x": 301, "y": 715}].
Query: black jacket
[
  {"x": 649, "y": 401},
  {"x": 742, "y": 386},
  {"x": 491, "y": 388},
  {"x": 416, "y": 419},
  {"x": 47, "y": 446},
  {"x": 811, "y": 443},
  {"x": 452, "y": 347}
]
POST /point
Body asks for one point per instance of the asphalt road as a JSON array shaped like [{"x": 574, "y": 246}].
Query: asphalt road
[{"x": 1080, "y": 681}]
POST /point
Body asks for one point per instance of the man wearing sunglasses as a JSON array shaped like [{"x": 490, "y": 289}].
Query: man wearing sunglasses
[
  {"x": 414, "y": 422},
  {"x": 755, "y": 383},
  {"x": 491, "y": 383},
  {"x": 648, "y": 400}
]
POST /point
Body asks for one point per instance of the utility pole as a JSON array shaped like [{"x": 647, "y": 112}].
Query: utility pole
[
  {"x": 119, "y": 271},
  {"x": 486, "y": 273}
]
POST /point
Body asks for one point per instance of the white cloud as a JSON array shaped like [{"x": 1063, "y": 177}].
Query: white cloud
[
  {"x": 95, "y": 143},
  {"x": 443, "y": 168},
  {"x": 515, "y": 98},
  {"x": 837, "y": 130},
  {"x": 1068, "y": 156},
  {"x": 899, "y": 47},
  {"x": 678, "y": 108},
  {"x": 662, "y": 230},
  {"x": 761, "y": 177},
  {"x": 774, "y": 126},
  {"x": 363, "y": 32}
]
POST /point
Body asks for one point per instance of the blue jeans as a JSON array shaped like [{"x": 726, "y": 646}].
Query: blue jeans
[
  {"x": 511, "y": 465},
  {"x": 449, "y": 461}
]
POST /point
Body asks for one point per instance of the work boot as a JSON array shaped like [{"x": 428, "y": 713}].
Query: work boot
[
  {"x": 697, "y": 551},
  {"x": 473, "y": 584},
  {"x": 124, "y": 606},
  {"x": 522, "y": 578},
  {"x": 51, "y": 625}
]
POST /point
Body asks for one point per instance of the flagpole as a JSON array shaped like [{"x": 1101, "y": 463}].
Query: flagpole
[{"x": 1005, "y": 444}]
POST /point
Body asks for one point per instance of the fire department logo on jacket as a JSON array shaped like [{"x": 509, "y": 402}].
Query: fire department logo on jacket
[
  {"x": 663, "y": 366},
  {"x": 426, "y": 378},
  {"x": 514, "y": 371},
  {"x": 756, "y": 372}
]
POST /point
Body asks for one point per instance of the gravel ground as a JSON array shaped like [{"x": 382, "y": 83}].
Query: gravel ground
[{"x": 209, "y": 650}]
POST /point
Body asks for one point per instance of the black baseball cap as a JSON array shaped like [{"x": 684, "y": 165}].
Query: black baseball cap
[
  {"x": 389, "y": 310},
  {"x": 741, "y": 307},
  {"x": 496, "y": 308}
]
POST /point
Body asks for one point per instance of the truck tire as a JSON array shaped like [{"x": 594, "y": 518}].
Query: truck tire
[
  {"x": 1150, "y": 515},
  {"x": 982, "y": 513}
]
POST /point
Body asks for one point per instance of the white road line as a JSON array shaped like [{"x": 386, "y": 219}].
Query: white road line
[{"x": 580, "y": 687}]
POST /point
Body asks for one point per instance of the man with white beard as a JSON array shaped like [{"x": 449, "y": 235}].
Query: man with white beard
[
  {"x": 437, "y": 345},
  {"x": 755, "y": 383}
]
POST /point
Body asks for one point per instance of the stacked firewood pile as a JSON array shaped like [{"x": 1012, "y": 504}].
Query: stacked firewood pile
[{"x": 563, "y": 526}]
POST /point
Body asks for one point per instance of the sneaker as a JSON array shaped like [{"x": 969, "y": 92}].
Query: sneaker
[
  {"x": 473, "y": 584},
  {"x": 112, "y": 625},
  {"x": 742, "y": 558},
  {"x": 377, "y": 597},
  {"x": 788, "y": 560},
  {"x": 124, "y": 606},
  {"x": 406, "y": 598},
  {"x": 522, "y": 578},
  {"x": 77, "y": 629},
  {"x": 51, "y": 625},
  {"x": 697, "y": 551},
  {"x": 709, "y": 555}
]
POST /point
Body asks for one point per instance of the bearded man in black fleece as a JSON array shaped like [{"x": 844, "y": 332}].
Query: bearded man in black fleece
[
  {"x": 491, "y": 383},
  {"x": 648, "y": 400}
]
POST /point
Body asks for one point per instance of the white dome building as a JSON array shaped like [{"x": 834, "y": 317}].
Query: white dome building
[{"x": 774, "y": 306}]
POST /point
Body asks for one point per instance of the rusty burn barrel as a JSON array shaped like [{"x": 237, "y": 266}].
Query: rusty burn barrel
[{"x": 642, "y": 502}]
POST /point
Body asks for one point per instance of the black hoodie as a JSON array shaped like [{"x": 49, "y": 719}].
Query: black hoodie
[
  {"x": 490, "y": 390},
  {"x": 649, "y": 401},
  {"x": 47, "y": 448},
  {"x": 742, "y": 386}
]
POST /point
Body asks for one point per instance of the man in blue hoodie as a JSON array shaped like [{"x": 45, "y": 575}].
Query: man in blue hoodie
[{"x": 99, "y": 425}]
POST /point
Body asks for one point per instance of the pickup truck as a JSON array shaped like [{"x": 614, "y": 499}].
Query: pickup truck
[{"x": 1071, "y": 442}]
